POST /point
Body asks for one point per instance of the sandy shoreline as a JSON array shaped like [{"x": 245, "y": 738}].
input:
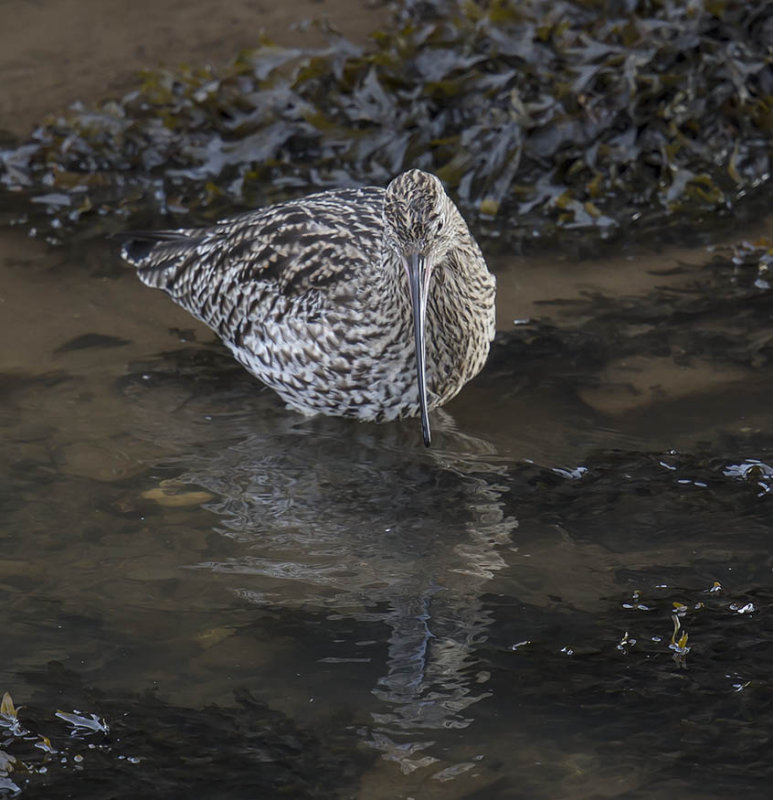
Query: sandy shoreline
[{"x": 54, "y": 52}]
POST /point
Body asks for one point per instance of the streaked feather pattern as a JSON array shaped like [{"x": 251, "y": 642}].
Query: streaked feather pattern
[{"x": 311, "y": 295}]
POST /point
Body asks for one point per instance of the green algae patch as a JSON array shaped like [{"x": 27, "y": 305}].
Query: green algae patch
[{"x": 581, "y": 119}]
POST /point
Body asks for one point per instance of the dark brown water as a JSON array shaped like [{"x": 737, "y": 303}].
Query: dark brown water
[{"x": 261, "y": 605}]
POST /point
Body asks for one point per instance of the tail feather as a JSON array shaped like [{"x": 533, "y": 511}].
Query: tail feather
[
  {"x": 159, "y": 256},
  {"x": 141, "y": 248}
]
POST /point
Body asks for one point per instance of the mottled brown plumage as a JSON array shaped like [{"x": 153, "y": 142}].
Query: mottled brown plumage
[{"x": 348, "y": 302}]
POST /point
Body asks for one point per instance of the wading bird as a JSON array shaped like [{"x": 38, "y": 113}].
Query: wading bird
[{"x": 368, "y": 303}]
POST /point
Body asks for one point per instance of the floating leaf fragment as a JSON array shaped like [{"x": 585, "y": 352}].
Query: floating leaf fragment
[
  {"x": 45, "y": 745},
  {"x": 7, "y": 785},
  {"x": 6, "y": 762},
  {"x": 7, "y": 708},
  {"x": 680, "y": 645}
]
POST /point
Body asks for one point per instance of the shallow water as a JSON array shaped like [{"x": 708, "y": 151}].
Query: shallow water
[{"x": 258, "y": 604}]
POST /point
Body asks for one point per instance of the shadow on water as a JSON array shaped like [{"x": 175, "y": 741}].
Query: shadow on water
[{"x": 569, "y": 595}]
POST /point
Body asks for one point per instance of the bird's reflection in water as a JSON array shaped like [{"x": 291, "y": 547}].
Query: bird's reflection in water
[{"x": 362, "y": 521}]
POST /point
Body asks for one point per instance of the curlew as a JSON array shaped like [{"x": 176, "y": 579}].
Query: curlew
[{"x": 368, "y": 303}]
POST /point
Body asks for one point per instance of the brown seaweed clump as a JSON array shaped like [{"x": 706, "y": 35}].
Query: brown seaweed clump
[{"x": 542, "y": 117}]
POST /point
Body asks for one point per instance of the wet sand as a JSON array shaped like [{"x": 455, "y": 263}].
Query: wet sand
[{"x": 55, "y": 52}]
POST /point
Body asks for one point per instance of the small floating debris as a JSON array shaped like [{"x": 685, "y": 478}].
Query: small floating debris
[
  {"x": 35, "y": 752},
  {"x": 52, "y": 199},
  {"x": 635, "y": 604},
  {"x": 679, "y": 645},
  {"x": 80, "y": 722},
  {"x": 749, "y": 469},
  {"x": 572, "y": 474},
  {"x": 752, "y": 470},
  {"x": 7, "y": 708},
  {"x": 45, "y": 745},
  {"x": 6, "y": 762},
  {"x": 680, "y": 609},
  {"x": 9, "y": 719},
  {"x": 6, "y": 784},
  {"x": 681, "y": 649}
]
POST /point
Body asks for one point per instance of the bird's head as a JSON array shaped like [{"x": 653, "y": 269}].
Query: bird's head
[{"x": 418, "y": 224}]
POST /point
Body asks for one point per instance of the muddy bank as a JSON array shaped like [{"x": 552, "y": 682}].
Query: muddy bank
[{"x": 54, "y": 53}]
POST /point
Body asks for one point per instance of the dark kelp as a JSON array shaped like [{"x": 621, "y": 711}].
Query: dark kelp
[{"x": 597, "y": 116}]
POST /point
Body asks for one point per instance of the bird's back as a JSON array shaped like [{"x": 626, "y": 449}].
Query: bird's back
[
  {"x": 311, "y": 297},
  {"x": 286, "y": 257},
  {"x": 289, "y": 289}
]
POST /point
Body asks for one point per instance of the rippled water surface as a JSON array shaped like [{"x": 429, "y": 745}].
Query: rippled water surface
[{"x": 568, "y": 596}]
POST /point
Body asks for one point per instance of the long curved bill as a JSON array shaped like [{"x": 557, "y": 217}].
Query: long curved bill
[{"x": 418, "y": 282}]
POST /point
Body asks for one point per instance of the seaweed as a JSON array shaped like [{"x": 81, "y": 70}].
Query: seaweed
[{"x": 543, "y": 117}]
